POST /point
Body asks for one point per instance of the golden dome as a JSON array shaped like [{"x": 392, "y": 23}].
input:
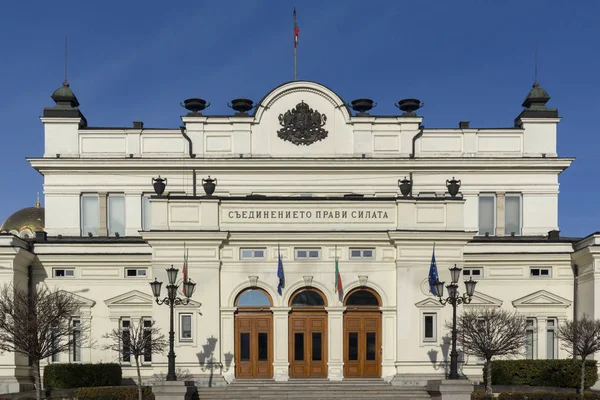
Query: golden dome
[{"x": 27, "y": 219}]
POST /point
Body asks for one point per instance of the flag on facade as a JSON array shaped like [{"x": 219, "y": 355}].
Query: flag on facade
[
  {"x": 185, "y": 269},
  {"x": 280, "y": 275},
  {"x": 296, "y": 30},
  {"x": 433, "y": 273},
  {"x": 338, "y": 277}
]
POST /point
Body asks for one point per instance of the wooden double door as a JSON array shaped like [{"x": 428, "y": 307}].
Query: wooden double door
[
  {"x": 254, "y": 345},
  {"x": 308, "y": 344},
  {"x": 362, "y": 344}
]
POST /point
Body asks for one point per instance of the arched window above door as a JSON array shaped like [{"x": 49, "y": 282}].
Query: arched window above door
[
  {"x": 308, "y": 298},
  {"x": 362, "y": 298},
  {"x": 253, "y": 298}
]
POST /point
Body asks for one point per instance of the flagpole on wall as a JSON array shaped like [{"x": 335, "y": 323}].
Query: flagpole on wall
[{"x": 295, "y": 41}]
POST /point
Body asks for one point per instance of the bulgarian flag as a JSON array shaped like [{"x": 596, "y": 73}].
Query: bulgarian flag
[
  {"x": 338, "y": 277},
  {"x": 296, "y": 30}
]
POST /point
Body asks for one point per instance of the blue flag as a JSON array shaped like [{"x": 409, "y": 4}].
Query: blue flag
[
  {"x": 280, "y": 273},
  {"x": 433, "y": 274}
]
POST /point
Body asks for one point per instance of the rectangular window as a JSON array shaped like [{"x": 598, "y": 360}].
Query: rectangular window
[
  {"x": 551, "y": 342},
  {"x": 472, "y": 273},
  {"x": 76, "y": 341},
  {"x": 487, "y": 214},
  {"x": 263, "y": 346},
  {"x": 429, "y": 327},
  {"x": 252, "y": 254},
  {"x": 544, "y": 272},
  {"x": 512, "y": 214},
  {"x": 63, "y": 272},
  {"x": 146, "y": 212},
  {"x": 368, "y": 254},
  {"x": 90, "y": 215},
  {"x": 244, "y": 346},
  {"x": 147, "y": 332},
  {"x": 55, "y": 342},
  {"x": 185, "y": 327},
  {"x": 136, "y": 272},
  {"x": 125, "y": 341},
  {"x": 302, "y": 254},
  {"x": 353, "y": 346},
  {"x": 530, "y": 342},
  {"x": 116, "y": 215}
]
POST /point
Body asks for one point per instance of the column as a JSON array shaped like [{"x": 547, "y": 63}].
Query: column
[
  {"x": 335, "y": 338},
  {"x": 499, "y": 213},
  {"x": 280, "y": 343},
  {"x": 388, "y": 341},
  {"x": 228, "y": 342}
]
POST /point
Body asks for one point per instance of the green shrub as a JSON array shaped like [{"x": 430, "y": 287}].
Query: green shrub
[
  {"x": 113, "y": 393},
  {"x": 480, "y": 395},
  {"x": 67, "y": 376},
  {"x": 555, "y": 373},
  {"x": 543, "y": 395}
]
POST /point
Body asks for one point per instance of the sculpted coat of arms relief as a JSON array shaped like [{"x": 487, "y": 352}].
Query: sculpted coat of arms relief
[{"x": 302, "y": 125}]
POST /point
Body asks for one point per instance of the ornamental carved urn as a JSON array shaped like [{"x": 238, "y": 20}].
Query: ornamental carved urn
[
  {"x": 409, "y": 106},
  {"x": 195, "y": 105},
  {"x": 405, "y": 186},
  {"x": 209, "y": 185},
  {"x": 159, "y": 185},
  {"x": 453, "y": 186},
  {"x": 241, "y": 106},
  {"x": 361, "y": 106}
]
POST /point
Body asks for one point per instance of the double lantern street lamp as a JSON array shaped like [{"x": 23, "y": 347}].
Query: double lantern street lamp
[
  {"x": 172, "y": 300},
  {"x": 454, "y": 298}
]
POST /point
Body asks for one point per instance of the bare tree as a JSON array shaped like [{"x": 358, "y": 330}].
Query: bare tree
[
  {"x": 490, "y": 332},
  {"x": 581, "y": 337},
  {"x": 39, "y": 324},
  {"x": 136, "y": 340}
]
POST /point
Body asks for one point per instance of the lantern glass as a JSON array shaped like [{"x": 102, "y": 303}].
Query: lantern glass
[
  {"x": 455, "y": 273},
  {"x": 439, "y": 289},
  {"x": 470, "y": 287},
  {"x": 189, "y": 288},
  {"x": 452, "y": 292},
  {"x": 156, "y": 285},
  {"x": 172, "y": 275},
  {"x": 172, "y": 289}
]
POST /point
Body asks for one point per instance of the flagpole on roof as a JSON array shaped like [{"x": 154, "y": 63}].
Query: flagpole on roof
[{"x": 295, "y": 41}]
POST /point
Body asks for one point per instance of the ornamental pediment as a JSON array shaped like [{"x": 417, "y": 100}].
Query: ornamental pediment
[
  {"x": 84, "y": 301},
  {"x": 429, "y": 302},
  {"x": 542, "y": 298},
  {"x": 483, "y": 300},
  {"x": 134, "y": 297}
]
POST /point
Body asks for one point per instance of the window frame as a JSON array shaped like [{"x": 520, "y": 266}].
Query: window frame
[
  {"x": 533, "y": 330},
  {"x": 110, "y": 196},
  {"x": 494, "y": 215},
  {"x": 540, "y": 275},
  {"x": 470, "y": 274},
  {"x": 122, "y": 330},
  {"x": 76, "y": 349},
  {"x": 520, "y": 197},
  {"x": 180, "y": 318},
  {"x": 81, "y": 213},
  {"x": 362, "y": 252},
  {"x": 65, "y": 276},
  {"x": 253, "y": 250},
  {"x": 308, "y": 250},
  {"x": 137, "y": 276},
  {"x": 553, "y": 329},
  {"x": 433, "y": 316},
  {"x": 147, "y": 329},
  {"x": 145, "y": 210}
]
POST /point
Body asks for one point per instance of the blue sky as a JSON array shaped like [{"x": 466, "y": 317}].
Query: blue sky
[{"x": 474, "y": 60}]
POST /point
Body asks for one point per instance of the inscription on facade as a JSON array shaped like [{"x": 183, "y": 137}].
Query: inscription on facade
[{"x": 316, "y": 215}]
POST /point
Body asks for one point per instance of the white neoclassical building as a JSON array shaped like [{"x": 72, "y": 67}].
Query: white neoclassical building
[{"x": 303, "y": 178}]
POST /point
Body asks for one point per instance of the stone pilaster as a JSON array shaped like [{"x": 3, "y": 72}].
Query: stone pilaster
[
  {"x": 280, "y": 335},
  {"x": 499, "y": 213},
  {"x": 335, "y": 362}
]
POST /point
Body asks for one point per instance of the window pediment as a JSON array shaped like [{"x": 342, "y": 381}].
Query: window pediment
[
  {"x": 428, "y": 303},
  {"x": 132, "y": 298},
  {"x": 483, "y": 300},
  {"x": 542, "y": 298}
]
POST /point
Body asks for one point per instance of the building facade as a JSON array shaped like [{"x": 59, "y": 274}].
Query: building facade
[{"x": 302, "y": 185}]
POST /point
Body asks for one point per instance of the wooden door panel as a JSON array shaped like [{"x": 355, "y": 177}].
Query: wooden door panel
[
  {"x": 308, "y": 344},
  {"x": 362, "y": 344},
  {"x": 254, "y": 345}
]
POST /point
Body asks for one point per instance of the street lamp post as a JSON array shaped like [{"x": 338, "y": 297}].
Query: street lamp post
[
  {"x": 454, "y": 298},
  {"x": 172, "y": 300}
]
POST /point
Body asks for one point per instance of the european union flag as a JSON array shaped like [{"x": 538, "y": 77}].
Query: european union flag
[
  {"x": 433, "y": 274},
  {"x": 280, "y": 273}
]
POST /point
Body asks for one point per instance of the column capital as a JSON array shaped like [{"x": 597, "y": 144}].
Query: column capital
[
  {"x": 388, "y": 310},
  {"x": 335, "y": 310},
  {"x": 228, "y": 309},
  {"x": 281, "y": 310}
]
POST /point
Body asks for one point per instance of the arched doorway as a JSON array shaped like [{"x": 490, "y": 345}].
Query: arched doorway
[
  {"x": 308, "y": 334},
  {"x": 362, "y": 334},
  {"x": 253, "y": 335}
]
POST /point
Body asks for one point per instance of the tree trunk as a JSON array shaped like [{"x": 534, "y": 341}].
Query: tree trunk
[
  {"x": 488, "y": 380},
  {"x": 582, "y": 388},
  {"x": 137, "y": 367},
  {"x": 36, "y": 380}
]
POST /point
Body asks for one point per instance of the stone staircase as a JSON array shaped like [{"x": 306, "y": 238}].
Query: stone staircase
[{"x": 372, "y": 389}]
